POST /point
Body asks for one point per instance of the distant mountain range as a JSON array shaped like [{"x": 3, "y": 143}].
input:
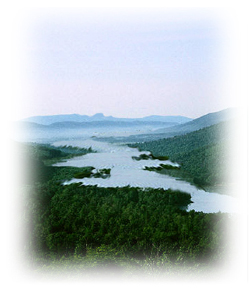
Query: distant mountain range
[
  {"x": 75, "y": 118},
  {"x": 50, "y": 128},
  {"x": 199, "y": 123},
  {"x": 180, "y": 129}
]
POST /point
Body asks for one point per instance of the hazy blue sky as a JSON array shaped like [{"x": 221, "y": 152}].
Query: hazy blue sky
[{"x": 125, "y": 63}]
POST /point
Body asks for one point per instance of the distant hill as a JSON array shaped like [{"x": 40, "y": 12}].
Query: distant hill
[
  {"x": 93, "y": 124},
  {"x": 180, "y": 129},
  {"x": 202, "y": 122},
  {"x": 203, "y": 154},
  {"x": 29, "y": 130},
  {"x": 48, "y": 120},
  {"x": 185, "y": 143},
  {"x": 173, "y": 119},
  {"x": 144, "y": 129}
]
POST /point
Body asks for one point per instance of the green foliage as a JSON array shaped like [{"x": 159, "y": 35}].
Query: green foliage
[
  {"x": 87, "y": 172},
  {"x": 202, "y": 155},
  {"x": 134, "y": 223},
  {"x": 160, "y": 157},
  {"x": 142, "y": 157},
  {"x": 125, "y": 226},
  {"x": 149, "y": 156},
  {"x": 161, "y": 167},
  {"x": 50, "y": 154},
  {"x": 38, "y": 158},
  {"x": 102, "y": 173}
]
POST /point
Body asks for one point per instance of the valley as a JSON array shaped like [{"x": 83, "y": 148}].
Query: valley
[{"x": 104, "y": 201}]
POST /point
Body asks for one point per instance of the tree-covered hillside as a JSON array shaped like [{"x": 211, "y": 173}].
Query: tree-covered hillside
[
  {"x": 36, "y": 160},
  {"x": 204, "y": 154},
  {"x": 201, "y": 122}
]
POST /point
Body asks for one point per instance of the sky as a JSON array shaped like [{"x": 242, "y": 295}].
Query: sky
[{"x": 124, "y": 63}]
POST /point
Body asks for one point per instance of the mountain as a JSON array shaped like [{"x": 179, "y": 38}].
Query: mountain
[
  {"x": 180, "y": 129},
  {"x": 93, "y": 124},
  {"x": 48, "y": 120},
  {"x": 199, "y": 123},
  {"x": 59, "y": 127},
  {"x": 204, "y": 155},
  {"x": 126, "y": 130},
  {"x": 174, "y": 119}
]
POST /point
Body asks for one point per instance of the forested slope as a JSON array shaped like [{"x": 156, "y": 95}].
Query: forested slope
[
  {"x": 203, "y": 154},
  {"x": 201, "y": 122}
]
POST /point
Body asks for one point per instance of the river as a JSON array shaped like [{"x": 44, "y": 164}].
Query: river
[{"x": 126, "y": 171}]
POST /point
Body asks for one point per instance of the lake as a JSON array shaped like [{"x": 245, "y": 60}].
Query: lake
[{"x": 126, "y": 171}]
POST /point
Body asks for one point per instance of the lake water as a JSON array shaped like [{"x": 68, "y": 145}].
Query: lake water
[{"x": 126, "y": 171}]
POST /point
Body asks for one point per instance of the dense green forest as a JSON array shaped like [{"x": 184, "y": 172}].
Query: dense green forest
[
  {"x": 149, "y": 156},
  {"x": 203, "y": 155},
  {"x": 37, "y": 159},
  {"x": 50, "y": 154},
  {"x": 85, "y": 227}
]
